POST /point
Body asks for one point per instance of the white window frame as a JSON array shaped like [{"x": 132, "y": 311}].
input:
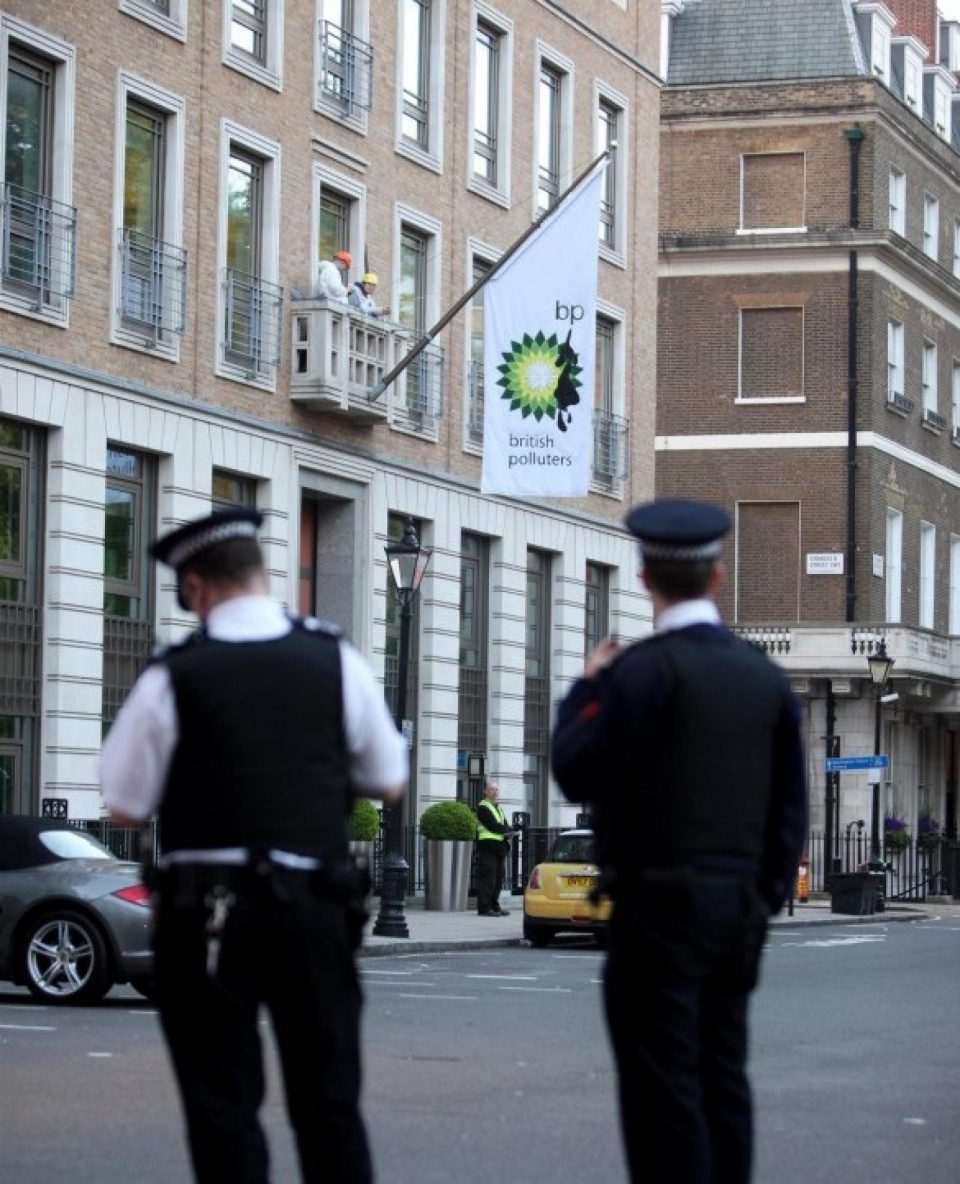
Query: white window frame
[
  {"x": 757, "y": 400},
  {"x": 270, "y": 72},
  {"x": 955, "y": 402},
  {"x": 173, "y": 106},
  {"x": 356, "y": 194},
  {"x": 618, "y": 317},
  {"x": 928, "y": 573},
  {"x": 898, "y": 201},
  {"x": 953, "y": 624},
  {"x": 234, "y": 135},
  {"x": 893, "y": 566},
  {"x": 489, "y": 254},
  {"x": 432, "y": 156},
  {"x": 499, "y": 193},
  {"x": 63, "y": 57},
  {"x": 174, "y": 23},
  {"x": 913, "y": 79},
  {"x": 545, "y": 55},
  {"x": 943, "y": 90},
  {"x": 928, "y": 378},
  {"x": 355, "y": 118},
  {"x": 404, "y": 215},
  {"x": 880, "y": 37},
  {"x": 602, "y": 91},
  {"x": 741, "y": 229},
  {"x": 931, "y": 226},
  {"x": 956, "y": 248},
  {"x": 895, "y": 335}
]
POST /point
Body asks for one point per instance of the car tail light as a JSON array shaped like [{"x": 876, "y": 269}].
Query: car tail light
[
  {"x": 534, "y": 878},
  {"x": 135, "y": 894}
]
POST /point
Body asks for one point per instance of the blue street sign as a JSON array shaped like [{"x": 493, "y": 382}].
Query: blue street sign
[{"x": 856, "y": 764}]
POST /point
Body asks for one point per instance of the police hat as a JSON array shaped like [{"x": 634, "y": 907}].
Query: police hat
[
  {"x": 186, "y": 542},
  {"x": 679, "y": 529}
]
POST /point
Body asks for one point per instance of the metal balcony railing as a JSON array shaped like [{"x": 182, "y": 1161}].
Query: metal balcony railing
[
  {"x": 127, "y": 646},
  {"x": 418, "y": 403},
  {"x": 39, "y": 247},
  {"x": 933, "y": 419},
  {"x": 346, "y": 68},
  {"x": 153, "y": 285},
  {"x": 900, "y": 402},
  {"x": 20, "y": 652},
  {"x": 610, "y": 434},
  {"x": 475, "y": 404},
  {"x": 472, "y": 710},
  {"x": 253, "y": 317}
]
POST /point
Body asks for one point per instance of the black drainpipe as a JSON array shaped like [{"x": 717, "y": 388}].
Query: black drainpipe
[{"x": 855, "y": 136}]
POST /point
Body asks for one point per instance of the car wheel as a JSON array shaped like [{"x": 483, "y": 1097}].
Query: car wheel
[
  {"x": 536, "y": 935},
  {"x": 65, "y": 959}
]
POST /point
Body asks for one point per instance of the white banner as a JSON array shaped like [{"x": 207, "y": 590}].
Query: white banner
[{"x": 539, "y": 339}]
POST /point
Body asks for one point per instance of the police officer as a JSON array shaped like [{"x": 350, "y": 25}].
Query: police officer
[
  {"x": 687, "y": 745},
  {"x": 493, "y": 843},
  {"x": 249, "y": 739}
]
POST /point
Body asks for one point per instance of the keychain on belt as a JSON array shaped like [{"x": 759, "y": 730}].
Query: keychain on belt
[{"x": 219, "y": 900}]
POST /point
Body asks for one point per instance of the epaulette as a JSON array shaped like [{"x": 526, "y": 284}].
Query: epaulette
[
  {"x": 164, "y": 651},
  {"x": 318, "y": 625}
]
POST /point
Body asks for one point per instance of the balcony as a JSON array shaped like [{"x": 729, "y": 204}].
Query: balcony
[
  {"x": 153, "y": 287},
  {"x": 933, "y": 421},
  {"x": 38, "y": 253},
  {"x": 252, "y": 320},
  {"x": 346, "y": 70},
  {"x": 610, "y": 435},
  {"x": 418, "y": 391},
  {"x": 899, "y": 403},
  {"x": 338, "y": 356}
]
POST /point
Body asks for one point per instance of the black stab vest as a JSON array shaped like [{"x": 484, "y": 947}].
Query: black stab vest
[
  {"x": 261, "y": 759},
  {"x": 704, "y": 776}
]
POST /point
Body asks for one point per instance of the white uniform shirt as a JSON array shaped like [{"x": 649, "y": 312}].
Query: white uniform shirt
[
  {"x": 329, "y": 283},
  {"x": 686, "y": 613},
  {"x": 137, "y": 752}
]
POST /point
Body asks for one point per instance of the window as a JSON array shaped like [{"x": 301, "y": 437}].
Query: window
[
  {"x": 474, "y": 598},
  {"x": 418, "y": 401},
  {"x": 913, "y": 79},
  {"x": 880, "y": 49},
  {"x": 953, "y": 626},
  {"x": 771, "y": 353},
  {"x": 929, "y": 378},
  {"x": 486, "y": 90},
  {"x": 596, "y": 624},
  {"x": 253, "y": 39},
  {"x": 772, "y": 191},
  {"x": 548, "y": 136},
  {"x": 894, "y": 361},
  {"x": 169, "y": 16},
  {"x": 956, "y": 247},
  {"x": 37, "y": 255},
  {"x": 955, "y": 401},
  {"x": 420, "y": 74},
  {"x": 928, "y": 552},
  {"x": 536, "y": 712},
  {"x": 345, "y": 60},
  {"x": 229, "y": 490},
  {"x": 251, "y": 311},
  {"x": 765, "y": 590},
  {"x": 340, "y": 205},
  {"x": 931, "y": 225},
  {"x": 898, "y": 201},
  {"x": 481, "y": 267},
  {"x": 894, "y": 565},
  {"x": 608, "y": 138},
  {"x": 334, "y": 230},
  {"x": 151, "y": 272},
  {"x": 609, "y": 426}
]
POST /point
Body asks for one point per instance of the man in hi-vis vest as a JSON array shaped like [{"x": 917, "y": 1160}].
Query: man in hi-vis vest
[{"x": 492, "y": 846}]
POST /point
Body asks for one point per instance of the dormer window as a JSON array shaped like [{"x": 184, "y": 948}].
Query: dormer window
[
  {"x": 880, "y": 50},
  {"x": 938, "y": 91},
  {"x": 875, "y": 22}
]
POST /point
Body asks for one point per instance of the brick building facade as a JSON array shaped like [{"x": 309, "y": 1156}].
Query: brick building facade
[
  {"x": 175, "y": 171},
  {"x": 809, "y": 360}
]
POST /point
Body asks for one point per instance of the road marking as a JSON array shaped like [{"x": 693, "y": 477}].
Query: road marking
[
  {"x": 459, "y": 998},
  {"x": 23, "y": 1007},
  {"x": 915, "y": 1121},
  {"x": 392, "y": 973},
  {"x": 142, "y": 1011},
  {"x": 99, "y": 1054},
  {"x": 553, "y": 990},
  {"x": 525, "y": 978},
  {"x": 381, "y": 982},
  {"x": 26, "y": 1028},
  {"x": 862, "y": 939}
]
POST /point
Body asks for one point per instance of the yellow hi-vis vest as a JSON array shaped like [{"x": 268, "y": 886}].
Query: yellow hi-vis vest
[{"x": 482, "y": 832}]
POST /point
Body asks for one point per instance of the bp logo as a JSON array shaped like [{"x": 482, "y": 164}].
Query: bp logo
[{"x": 539, "y": 377}]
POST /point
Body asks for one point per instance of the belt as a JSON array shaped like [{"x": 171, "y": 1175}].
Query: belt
[
  {"x": 186, "y": 883},
  {"x": 239, "y": 857}
]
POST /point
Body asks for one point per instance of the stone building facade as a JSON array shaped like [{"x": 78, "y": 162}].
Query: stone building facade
[{"x": 175, "y": 172}]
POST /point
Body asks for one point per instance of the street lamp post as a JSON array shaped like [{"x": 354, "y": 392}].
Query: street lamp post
[
  {"x": 880, "y": 666},
  {"x": 407, "y": 561}
]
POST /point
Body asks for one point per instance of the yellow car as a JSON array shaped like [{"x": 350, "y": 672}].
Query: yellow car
[{"x": 557, "y": 898}]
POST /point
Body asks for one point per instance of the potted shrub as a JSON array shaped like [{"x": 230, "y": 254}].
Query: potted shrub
[
  {"x": 928, "y": 831},
  {"x": 896, "y": 837},
  {"x": 449, "y": 830},
  {"x": 362, "y": 829}
]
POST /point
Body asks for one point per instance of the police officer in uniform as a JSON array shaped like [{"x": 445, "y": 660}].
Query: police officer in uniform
[
  {"x": 249, "y": 739},
  {"x": 687, "y": 746},
  {"x": 493, "y": 843}
]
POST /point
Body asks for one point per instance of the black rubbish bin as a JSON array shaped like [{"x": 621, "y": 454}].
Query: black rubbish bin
[{"x": 856, "y": 893}]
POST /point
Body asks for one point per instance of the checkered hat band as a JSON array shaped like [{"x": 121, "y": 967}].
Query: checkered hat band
[
  {"x": 685, "y": 551},
  {"x": 216, "y": 534}
]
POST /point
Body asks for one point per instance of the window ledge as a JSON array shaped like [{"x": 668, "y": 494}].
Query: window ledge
[
  {"x": 772, "y": 230},
  {"x": 932, "y": 425},
  {"x": 129, "y": 338},
  {"x": 753, "y": 400},
  {"x": 900, "y": 405},
  {"x": 955, "y": 438},
  {"x": 612, "y": 255},
  {"x": 430, "y": 435},
  {"x": 332, "y": 109},
  {"x": 237, "y": 374},
  {"x": 614, "y": 491},
  {"x": 253, "y": 69},
  {"x": 489, "y": 192},
  {"x": 475, "y": 449},
  {"x": 427, "y": 159},
  {"x": 142, "y": 10},
  {"x": 22, "y": 306}
]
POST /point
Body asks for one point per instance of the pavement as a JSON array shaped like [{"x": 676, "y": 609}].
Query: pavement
[{"x": 432, "y": 931}]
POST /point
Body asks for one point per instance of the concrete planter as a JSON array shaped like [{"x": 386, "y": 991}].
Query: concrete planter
[{"x": 448, "y": 874}]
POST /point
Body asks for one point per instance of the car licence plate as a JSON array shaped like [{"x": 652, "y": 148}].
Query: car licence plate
[{"x": 581, "y": 881}]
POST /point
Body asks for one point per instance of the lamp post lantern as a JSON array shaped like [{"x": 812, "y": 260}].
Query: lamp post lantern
[
  {"x": 880, "y": 664},
  {"x": 407, "y": 561}
]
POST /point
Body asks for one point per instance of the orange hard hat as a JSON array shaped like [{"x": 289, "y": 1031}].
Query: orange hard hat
[{"x": 344, "y": 257}]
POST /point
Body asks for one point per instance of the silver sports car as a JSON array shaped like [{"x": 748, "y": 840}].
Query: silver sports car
[{"x": 74, "y": 920}]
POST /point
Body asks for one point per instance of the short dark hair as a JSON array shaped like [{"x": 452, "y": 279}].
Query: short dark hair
[
  {"x": 682, "y": 579},
  {"x": 231, "y": 562}
]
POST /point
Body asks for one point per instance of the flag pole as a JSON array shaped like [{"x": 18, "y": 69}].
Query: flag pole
[{"x": 378, "y": 388}]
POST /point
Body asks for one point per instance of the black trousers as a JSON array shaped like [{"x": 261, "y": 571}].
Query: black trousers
[
  {"x": 491, "y": 857},
  {"x": 682, "y": 964},
  {"x": 294, "y": 956}
]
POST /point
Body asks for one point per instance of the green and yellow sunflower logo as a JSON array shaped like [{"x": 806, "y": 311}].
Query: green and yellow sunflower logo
[{"x": 539, "y": 376}]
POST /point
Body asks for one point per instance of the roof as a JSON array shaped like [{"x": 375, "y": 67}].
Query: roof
[{"x": 728, "y": 41}]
